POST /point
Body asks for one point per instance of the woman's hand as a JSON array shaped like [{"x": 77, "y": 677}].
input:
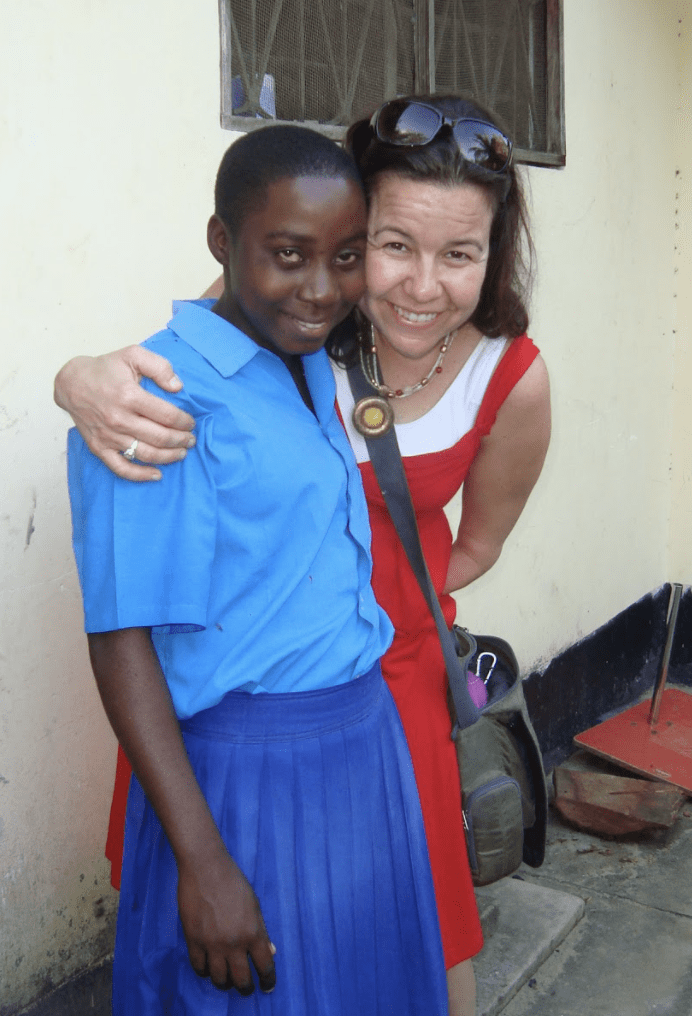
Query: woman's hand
[
  {"x": 103, "y": 396},
  {"x": 223, "y": 924}
]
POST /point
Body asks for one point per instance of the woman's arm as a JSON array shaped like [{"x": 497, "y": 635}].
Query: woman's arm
[
  {"x": 215, "y": 290},
  {"x": 501, "y": 477},
  {"x": 103, "y": 396},
  {"x": 220, "y": 914}
]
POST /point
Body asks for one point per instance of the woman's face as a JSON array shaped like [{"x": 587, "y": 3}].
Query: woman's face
[{"x": 427, "y": 256}]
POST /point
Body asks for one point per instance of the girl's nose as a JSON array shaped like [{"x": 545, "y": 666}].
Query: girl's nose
[{"x": 319, "y": 286}]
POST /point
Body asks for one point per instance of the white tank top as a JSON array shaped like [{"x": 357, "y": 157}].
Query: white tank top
[{"x": 448, "y": 420}]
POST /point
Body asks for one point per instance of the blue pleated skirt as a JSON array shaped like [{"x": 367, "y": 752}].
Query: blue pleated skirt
[{"x": 314, "y": 795}]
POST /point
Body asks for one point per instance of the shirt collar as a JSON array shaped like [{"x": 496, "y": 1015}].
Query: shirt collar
[
  {"x": 223, "y": 345},
  {"x": 228, "y": 350}
]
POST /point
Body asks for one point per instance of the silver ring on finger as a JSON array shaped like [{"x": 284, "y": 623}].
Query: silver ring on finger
[{"x": 130, "y": 452}]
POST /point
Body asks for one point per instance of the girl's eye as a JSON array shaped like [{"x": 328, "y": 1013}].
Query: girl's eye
[
  {"x": 459, "y": 256},
  {"x": 289, "y": 256},
  {"x": 396, "y": 246},
  {"x": 349, "y": 257}
]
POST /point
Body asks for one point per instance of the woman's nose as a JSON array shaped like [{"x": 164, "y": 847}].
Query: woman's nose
[{"x": 422, "y": 282}]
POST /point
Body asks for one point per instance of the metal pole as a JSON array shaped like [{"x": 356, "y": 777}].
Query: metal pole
[{"x": 663, "y": 673}]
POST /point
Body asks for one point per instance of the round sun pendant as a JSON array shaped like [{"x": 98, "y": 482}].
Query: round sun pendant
[{"x": 372, "y": 416}]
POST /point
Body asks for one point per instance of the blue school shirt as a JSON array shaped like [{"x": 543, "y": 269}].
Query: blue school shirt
[{"x": 250, "y": 559}]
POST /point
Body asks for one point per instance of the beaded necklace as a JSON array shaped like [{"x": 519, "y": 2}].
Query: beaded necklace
[{"x": 371, "y": 368}]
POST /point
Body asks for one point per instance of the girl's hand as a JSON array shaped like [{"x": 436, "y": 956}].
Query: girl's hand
[
  {"x": 103, "y": 396},
  {"x": 220, "y": 914},
  {"x": 223, "y": 923}
]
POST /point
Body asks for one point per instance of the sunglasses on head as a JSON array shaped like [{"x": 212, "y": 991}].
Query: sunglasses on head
[{"x": 414, "y": 124}]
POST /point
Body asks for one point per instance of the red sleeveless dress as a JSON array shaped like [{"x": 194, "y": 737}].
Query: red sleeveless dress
[{"x": 413, "y": 666}]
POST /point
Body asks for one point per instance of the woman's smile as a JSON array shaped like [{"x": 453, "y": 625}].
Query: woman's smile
[{"x": 413, "y": 317}]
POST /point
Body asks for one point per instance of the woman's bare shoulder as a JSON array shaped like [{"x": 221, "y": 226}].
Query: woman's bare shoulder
[
  {"x": 523, "y": 420},
  {"x": 532, "y": 390}
]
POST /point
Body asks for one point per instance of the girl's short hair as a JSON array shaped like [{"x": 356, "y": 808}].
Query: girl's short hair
[
  {"x": 272, "y": 153},
  {"x": 502, "y": 309}
]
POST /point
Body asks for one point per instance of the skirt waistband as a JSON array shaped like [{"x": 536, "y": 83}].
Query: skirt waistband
[{"x": 240, "y": 716}]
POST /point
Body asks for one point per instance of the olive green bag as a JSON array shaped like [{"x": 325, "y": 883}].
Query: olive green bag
[{"x": 504, "y": 797}]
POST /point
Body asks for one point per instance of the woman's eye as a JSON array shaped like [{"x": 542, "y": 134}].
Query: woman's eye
[
  {"x": 458, "y": 255},
  {"x": 396, "y": 246}
]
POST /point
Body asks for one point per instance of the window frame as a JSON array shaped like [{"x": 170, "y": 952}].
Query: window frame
[{"x": 424, "y": 81}]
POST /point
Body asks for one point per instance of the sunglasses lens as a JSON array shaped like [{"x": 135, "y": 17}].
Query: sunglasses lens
[
  {"x": 402, "y": 122},
  {"x": 482, "y": 144},
  {"x": 407, "y": 123}
]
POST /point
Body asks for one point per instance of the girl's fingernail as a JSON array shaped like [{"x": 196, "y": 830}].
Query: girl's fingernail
[
  {"x": 273, "y": 948},
  {"x": 191, "y": 441},
  {"x": 156, "y": 476},
  {"x": 175, "y": 380}
]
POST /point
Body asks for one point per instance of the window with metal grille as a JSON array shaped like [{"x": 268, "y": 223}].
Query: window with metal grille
[{"x": 327, "y": 62}]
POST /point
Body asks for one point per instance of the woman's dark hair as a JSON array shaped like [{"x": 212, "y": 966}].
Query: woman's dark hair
[
  {"x": 272, "y": 153},
  {"x": 502, "y": 309}
]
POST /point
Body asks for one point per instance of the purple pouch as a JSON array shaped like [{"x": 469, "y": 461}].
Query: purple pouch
[{"x": 477, "y": 690}]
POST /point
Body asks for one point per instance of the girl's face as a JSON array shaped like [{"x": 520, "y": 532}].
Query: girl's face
[
  {"x": 428, "y": 247},
  {"x": 297, "y": 266}
]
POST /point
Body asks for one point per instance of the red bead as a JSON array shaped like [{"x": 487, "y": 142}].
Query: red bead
[
  {"x": 438, "y": 370},
  {"x": 399, "y": 392}
]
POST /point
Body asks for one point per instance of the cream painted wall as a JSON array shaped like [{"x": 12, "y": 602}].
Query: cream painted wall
[
  {"x": 594, "y": 536},
  {"x": 109, "y": 141},
  {"x": 680, "y": 547}
]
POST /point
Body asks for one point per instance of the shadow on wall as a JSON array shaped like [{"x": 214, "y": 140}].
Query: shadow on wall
[{"x": 607, "y": 671}]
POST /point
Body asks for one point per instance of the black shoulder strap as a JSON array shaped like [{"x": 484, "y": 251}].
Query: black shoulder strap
[{"x": 389, "y": 471}]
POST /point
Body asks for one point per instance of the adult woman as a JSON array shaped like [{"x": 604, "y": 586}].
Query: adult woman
[{"x": 471, "y": 404}]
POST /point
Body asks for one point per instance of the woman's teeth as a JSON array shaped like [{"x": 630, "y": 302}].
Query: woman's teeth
[{"x": 408, "y": 315}]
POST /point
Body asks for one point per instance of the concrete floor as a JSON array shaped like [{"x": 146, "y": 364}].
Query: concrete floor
[{"x": 631, "y": 952}]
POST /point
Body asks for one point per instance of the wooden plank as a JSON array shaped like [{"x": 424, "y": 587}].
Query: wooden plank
[
  {"x": 555, "y": 85},
  {"x": 424, "y": 46}
]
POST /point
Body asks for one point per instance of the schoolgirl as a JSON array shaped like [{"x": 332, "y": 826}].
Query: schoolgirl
[{"x": 273, "y": 827}]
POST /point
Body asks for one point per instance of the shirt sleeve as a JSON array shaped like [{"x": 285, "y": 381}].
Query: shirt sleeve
[{"x": 144, "y": 551}]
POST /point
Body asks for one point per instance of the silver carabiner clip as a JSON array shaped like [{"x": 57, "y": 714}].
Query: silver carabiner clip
[{"x": 491, "y": 668}]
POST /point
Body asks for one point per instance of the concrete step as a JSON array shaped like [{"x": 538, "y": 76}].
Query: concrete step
[
  {"x": 522, "y": 924},
  {"x": 89, "y": 994}
]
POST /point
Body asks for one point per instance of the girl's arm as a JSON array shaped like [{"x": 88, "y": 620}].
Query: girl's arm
[
  {"x": 103, "y": 396},
  {"x": 502, "y": 476},
  {"x": 220, "y": 913}
]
